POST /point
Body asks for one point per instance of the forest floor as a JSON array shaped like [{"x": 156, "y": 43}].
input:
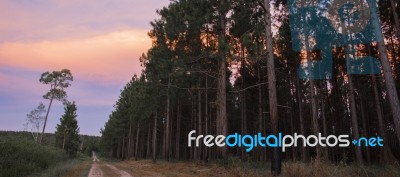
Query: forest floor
[
  {"x": 235, "y": 168},
  {"x": 145, "y": 168}
]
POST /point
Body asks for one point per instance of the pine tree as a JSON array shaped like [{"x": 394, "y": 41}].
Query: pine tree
[
  {"x": 67, "y": 132},
  {"x": 58, "y": 81}
]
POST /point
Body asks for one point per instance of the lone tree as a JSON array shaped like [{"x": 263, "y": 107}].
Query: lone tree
[
  {"x": 67, "y": 132},
  {"x": 35, "y": 120},
  {"x": 58, "y": 81}
]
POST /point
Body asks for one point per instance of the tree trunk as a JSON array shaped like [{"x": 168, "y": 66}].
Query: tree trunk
[
  {"x": 222, "y": 127},
  {"x": 123, "y": 147},
  {"x": 314, "y": 111},
  {"x": 199, "y": 127},
  {"x": 354, "y": 122},
  {"x": 292, "y": 130},
  {"x": 364, "y": 131},
  {"x": 168, "y": 124},
  {"x": 207, "y": 151},
  {"x": 324, "y": 126},
  {"x": 260, "y": 112},
  {"x": 137, "y": 141},
  {"x": 130, "y": 140},
  {"x": 273, "y": 103},
  {"x": 243, "y": 119},
  {"x": 155, "y": 138},
  {"x": 178, "y": 131},
  {"x": 193, "y": 151},
  {"x": 148, "y": 148},
  {"x": 304, "y": 155},
  {"x": 242, "y": 102},
  {"x": 45, "y": 121},
  {"x": 387, "y": 72}
]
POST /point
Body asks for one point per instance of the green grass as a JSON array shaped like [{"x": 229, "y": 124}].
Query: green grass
[
  {"x": 78, "y": 167},
  {"x": 316, "y": 168},
  {"x": 327, "y": 169}
]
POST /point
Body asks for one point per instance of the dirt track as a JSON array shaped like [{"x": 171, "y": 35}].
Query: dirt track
[
  {"x": 102, "y": 169},
  {"x": 95, "y": 171}
]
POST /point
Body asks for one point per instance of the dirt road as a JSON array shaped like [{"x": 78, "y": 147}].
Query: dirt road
[
  {"x": 103, "y": 169},
  {"x": 95, "y": 171}
]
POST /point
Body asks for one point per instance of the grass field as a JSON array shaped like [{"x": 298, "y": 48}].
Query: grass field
[{"x": 237, "y": 168}]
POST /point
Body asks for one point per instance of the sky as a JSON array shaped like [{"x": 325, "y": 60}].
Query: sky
[{"x": 100, "y": 41}]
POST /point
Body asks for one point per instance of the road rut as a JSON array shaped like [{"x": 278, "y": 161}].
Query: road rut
[{"x": 98, "y": 169}]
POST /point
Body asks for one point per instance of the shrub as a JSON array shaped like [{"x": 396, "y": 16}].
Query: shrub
[{"x": 21, "y": 156}]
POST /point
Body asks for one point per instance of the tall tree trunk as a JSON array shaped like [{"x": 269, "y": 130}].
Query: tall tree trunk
[
  {"x": 350, "y": 54},
  {"x": 178, "y": 131},
  {"x": 199, "y": 127},
  {"x": 273, "y": 103},
  {"x": 388, "y": 74},
  {"x": 148, "y": 148},
  {"x": 222, "y": 127},
  {"x": 193, "y": 151},
  {"x": 324, "y": 91},
  {"x": 155, "y": 138},
  {"x": 292, "y": 130},
  {"x": 242, "y": 102},
  {"x": 260, "y": 112},
  {"x": 207, "y": 151},
  {"x": 291, "y": 103},
  {"x": 168, "y": 124},
  {"x": 243, "y": 120},
  {"x": 123, "y": 147},
  {"x": 266, "y": 122},
  {"x": 45, "y": 121},
  {"x": 314, "y": 111},
  {"x": 130, "y": 140},
  {"x": 364, "y": 131},
  {"x": 164, "y": 141},
  {"x": 354, "y": 122},
  {"x": 338, "y": 109},
  {"x": 314, "y": 119},
  {"x": 304, "y": 153}
]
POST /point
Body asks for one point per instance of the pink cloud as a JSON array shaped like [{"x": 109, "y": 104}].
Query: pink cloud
[
  {"x": 53, "y": 19},
  {"x": 108, "y": 58}
]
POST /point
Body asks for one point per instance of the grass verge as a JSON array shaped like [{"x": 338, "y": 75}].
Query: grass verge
[
  {"x": 70, "y": 168},
  {"x": 237, "y": 168}
]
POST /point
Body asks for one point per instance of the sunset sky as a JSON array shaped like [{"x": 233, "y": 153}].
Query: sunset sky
[{"x": 100, "y": 41}]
